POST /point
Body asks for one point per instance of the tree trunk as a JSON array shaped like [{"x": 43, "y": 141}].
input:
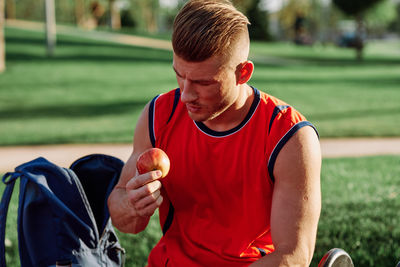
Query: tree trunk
[
  {"x": 50, "y": 27},
  {"x": 115, "y": 16},
  {"x": 359, "y": 42},
  {"x": 149, "y": 16},
  {"x": 2, "y": 42}
]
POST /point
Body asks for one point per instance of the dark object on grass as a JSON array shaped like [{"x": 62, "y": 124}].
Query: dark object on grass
[
  {"x": 63, "y": 217},
  {"x": 336, "y": 257}
]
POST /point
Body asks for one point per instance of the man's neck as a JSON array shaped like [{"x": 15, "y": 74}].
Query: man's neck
[{"x": 235, "y": 113}]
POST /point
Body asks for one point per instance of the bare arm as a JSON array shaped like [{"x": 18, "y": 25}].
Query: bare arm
[
  {"x": 135, "y": 197},
  {"x": 296, "y": 203}
]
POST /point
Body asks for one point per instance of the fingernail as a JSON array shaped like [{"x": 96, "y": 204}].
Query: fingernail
[{"x": 158, "y": 173}]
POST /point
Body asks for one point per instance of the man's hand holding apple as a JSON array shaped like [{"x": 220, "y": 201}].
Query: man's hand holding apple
[{"x": 143, "y": 190}]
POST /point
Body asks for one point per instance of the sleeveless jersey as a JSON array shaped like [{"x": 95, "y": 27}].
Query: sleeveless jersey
[{"x": 218, "y": 193}]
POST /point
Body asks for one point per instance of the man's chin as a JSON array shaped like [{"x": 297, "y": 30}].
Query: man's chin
[{"x": 197, "y": 117}]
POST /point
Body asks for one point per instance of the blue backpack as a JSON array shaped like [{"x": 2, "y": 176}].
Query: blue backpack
[{"x": 63, "y": 218}]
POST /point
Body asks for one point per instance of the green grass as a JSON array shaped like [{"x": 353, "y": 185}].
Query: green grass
[
  {"x": 342, "y": 97},
  {"x": 89, "y": 92},
  {"x": 360, "y": 204},
  {"x": 93, "y": 91},
  {"x": 360, "y": 209}
]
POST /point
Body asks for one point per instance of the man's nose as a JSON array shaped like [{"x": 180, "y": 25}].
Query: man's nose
[{"x": 188, "y": 92}]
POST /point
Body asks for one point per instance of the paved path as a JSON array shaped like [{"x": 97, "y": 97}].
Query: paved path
[{"x": 64, "y": 155}]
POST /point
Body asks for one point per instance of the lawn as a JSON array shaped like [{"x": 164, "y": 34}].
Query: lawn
[
  {"x": 92, "y": 91},
  {"x": 360, "y": 204}
]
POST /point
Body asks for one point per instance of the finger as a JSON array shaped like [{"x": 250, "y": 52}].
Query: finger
[
  {"x": 146, "y": 190},
  {"x": 143, "y": 179},
  {"x": 142, "y": 203},
  {"x": 150, "y": 209}
]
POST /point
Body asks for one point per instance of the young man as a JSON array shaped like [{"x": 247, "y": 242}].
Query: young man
[{"x": 244, "y": 183}]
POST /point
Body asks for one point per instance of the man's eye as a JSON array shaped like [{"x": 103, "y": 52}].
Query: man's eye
[{"x": 205, "y": 83}]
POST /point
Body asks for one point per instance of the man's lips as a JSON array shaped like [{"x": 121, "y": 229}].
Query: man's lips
[{"x": 192, "y": 108}]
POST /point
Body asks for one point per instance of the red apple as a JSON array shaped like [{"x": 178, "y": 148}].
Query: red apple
[{"x": 153, "y": 159}]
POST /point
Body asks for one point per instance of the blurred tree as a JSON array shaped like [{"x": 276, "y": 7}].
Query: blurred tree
[
  {"x": 356, "y": 9},
  {"x": 287, "y": 15},
  {"x": 65, "y": 11},
  {"x": 10, "y": 9},
  {"x": 127, "y": 19},
  {"x": 243, "y": 5},
  {"x": 30, "y": 10},
  {"x": 379, "y": 18},
  {"x": 97, "y": 12},
  {"x": 145, "y": 13},
  {"x": 80, "y": 14},
  {"x": 395, "y": 25},
  {"x": 258, "y": 29},
  {"x": 2, "y": 42}
]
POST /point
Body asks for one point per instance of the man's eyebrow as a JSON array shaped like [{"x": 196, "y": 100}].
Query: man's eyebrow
[
  {"x": 176, "y": 71},
  {"x": 196, "y": 81}
]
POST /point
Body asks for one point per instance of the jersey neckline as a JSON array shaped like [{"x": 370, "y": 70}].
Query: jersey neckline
[{"x": 250, "y": 113}]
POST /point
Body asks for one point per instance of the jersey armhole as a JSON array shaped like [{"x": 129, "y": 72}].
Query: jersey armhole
[
  {"x": 282, "y": 142},
  {"x": 152, "y": 115}
]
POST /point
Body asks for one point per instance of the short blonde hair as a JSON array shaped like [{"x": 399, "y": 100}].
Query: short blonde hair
[{"x": 204, "y": 28}]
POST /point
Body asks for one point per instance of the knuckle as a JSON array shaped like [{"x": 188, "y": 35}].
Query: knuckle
[
  {"x": 146, "y": 212},
  {"x": 133, "y": 197},
  {"x": 156, "y": 185},
  {"x": 153, "y": 175},
  {"x": 132, "y": 183},
  {"x": 153, "y": 187},
  {"x": 147, "y": 189},
  {"x": 138, "y": 206},
  {"x": 159, "y": 200},
  {"x": 156, "y": 194}
]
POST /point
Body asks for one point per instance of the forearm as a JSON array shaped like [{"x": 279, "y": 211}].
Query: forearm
[
  {"x": 286, "y": 257},
  {"x": 123, "y": 215}
]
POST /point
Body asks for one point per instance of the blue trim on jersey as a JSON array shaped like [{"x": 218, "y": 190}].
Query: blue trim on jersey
[
  {"x": 282, "y": 142},
  {"x": 277, "y": 109},
  {"x": 262, "y": 252},
  {"x": 176, "y": 101},
  {"x": 169, "y": 219},
  {"x": 151, "y": 121},
  {"x": 253, "y": 107}
]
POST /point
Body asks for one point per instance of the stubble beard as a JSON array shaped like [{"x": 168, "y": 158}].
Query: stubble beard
[{"x": 221, "y": 108}]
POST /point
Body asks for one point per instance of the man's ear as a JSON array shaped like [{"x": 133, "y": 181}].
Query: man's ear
[{"x": 244, "y": 72}]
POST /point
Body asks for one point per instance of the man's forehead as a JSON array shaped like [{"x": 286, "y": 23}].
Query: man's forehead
[{"x": 206, "y": 66}]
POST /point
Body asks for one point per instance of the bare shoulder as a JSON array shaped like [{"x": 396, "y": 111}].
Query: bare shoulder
[
  {"x": 141, "y": 142},
  {"x": 301, "y": 155},
  {"x": 141, "y": 139}
]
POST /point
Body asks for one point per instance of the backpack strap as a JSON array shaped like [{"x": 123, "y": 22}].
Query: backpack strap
[{"x": 8, "y": 179}]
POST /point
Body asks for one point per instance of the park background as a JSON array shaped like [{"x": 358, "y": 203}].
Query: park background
[{"x": 82, "y": 82}]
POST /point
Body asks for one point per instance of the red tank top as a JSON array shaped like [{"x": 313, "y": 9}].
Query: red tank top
[{"x": 218, "y": 193}]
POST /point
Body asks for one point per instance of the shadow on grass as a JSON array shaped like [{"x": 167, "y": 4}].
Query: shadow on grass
[
  {"x": 61, "y": 41},
  {"x": 367, "y": 61},
  {"x": 368, "y": 81},
  {"x": 279, "y": 60},
  {"x": 81, "y": 50},
  {"x": 72, "y": 110},
  {"x": 134, "y": 57}
]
